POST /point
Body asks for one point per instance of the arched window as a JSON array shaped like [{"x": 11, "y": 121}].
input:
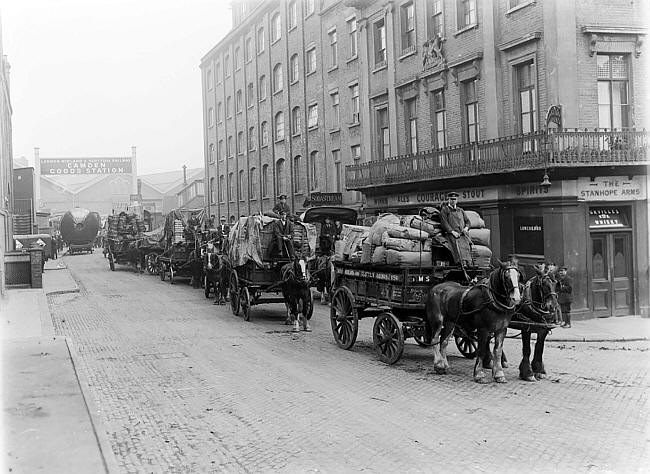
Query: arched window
[
  {"x": 231, "y": 186},
  {"x": 229, "y": 149},
  {"x": 241, "y": 185},
  {"x": 265, "y": 181},
  {"x": 276, "y": 25},
  {"x": 265, "y": 133},
  {"x": 293, "y": 70},
  {"x": 222, "y": 188},
  {"x": 239, "y": 102},
  {"x": 213, "y": 189},
  {"x": 250, "y": 95},
  {"x": 296, "y": 175},
  {"x": 240, "y": 143},
  {"x": 219, "y": 112},
  {"x": 262, "y": 88},
  {"x": 249, "y": 49},
  {"x": 260, "y": 40},
  {"x": 220, "y": 150},
  {"x": 237, "y": 58},
  {"x": 277, "y": 78},
  {"x": 279, "y": 126},
  {"x": 313, "y": 169},
  {"x": 228, "y": 107},
  {"x": 251, "y": 138},
  {"x": 252, "y": 183},
  {"x": 226, "y": 65},
  {"x": 295, "y": 121},
  {"x": 211, "y": 153},
  {"x": 280, "y": 182}
]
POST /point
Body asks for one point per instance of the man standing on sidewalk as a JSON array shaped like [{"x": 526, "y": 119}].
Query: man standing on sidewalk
[{"x": 564, "y": 295}]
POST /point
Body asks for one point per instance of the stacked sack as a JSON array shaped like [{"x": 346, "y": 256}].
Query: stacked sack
[
  {"x": 349, "y": 245},
  {"x": 125, "y": 226},
  {"x": 480, "y": 237}
]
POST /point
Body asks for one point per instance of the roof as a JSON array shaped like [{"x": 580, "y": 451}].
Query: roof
[{"x": 171, "y": 181}]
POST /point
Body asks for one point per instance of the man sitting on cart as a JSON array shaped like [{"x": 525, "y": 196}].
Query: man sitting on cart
[
  {"x": 328, "y": 235},
  {"x": 455, "y": 223},
  {"x": 282, "y": 206},
  {"x": 283, "y": 233}
]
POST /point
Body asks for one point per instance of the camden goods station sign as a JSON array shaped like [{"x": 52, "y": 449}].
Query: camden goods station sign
[{"x": 75, "y": 166}]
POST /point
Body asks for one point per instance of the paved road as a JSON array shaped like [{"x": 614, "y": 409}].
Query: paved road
[{"x": 185, "y": 386}]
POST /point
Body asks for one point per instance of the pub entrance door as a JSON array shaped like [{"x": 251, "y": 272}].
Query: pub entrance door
[{"x": 612, "y": 290}]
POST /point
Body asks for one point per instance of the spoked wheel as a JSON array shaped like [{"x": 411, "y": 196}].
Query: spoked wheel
[
  {"x": 245, "y": 303},
  {"x": 344, "y": 318},
  {"x": 171, "y": 274},
  {"x": 234, "y": 292},
  {"x": 151, "y": 263},
  {"x": 466, "y": 342},
  {"x": 388, "y": 338},
  {"x": 111, "y": 261},
  {"x": 310, "y": 302}
]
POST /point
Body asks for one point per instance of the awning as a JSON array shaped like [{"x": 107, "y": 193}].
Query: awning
[
  {"x": 608, "y": 217},
  {"x": 318, "y": 214}
]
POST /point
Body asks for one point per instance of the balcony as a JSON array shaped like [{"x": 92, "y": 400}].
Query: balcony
[{"x": 538, "y": 150}]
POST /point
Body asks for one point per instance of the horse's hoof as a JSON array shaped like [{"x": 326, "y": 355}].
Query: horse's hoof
[
  {"x": 540, "y": 376},
  {"x": 500, "y": 380},
  {"x": 440, "y": 370},
  {"x": 296, "y": 327},
  {"x": 529, "y": 378}
]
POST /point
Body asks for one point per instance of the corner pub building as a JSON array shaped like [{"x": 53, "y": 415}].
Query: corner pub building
[{"x": 411, "y": 99}]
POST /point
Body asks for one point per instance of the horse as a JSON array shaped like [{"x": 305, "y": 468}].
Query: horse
[
  {"x": 538, "y": 306},
  {"x": 297, "y": 293},
  {"x": 215, "y": 269},
  {"x": 487, "y": 306},
  {"x": 322, "y": 275}
]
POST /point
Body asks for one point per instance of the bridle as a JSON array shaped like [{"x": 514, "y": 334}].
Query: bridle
[{"x": 495, "y": 297}]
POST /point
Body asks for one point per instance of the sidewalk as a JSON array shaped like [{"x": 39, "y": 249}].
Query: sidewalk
[{"x": 47, "y": 418}]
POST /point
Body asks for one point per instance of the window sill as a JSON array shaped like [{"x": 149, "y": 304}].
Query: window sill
[
  {"x": 520, "y": 6},
  {"x": 294, "y": 82},
  {"x": 291, "y": 28},
  {"x": 279, "y": 91},
  {"x": 408, "y": 52},
  {"x": 353, "y": 124},
  {"x": 352, "y": 58},
  {"x": 295, "y": 135},
  {"x": 333, "y": 68},
  {"x": 220, "y": 122},
  {"x": 260, "y": 52},
  {"x": 335, "y": 130},
  {"x": 265, "y": 146},
  {"x": 380, "y": 67},
  {"x": 277, "y": 40},
  {"x": 466, "y": 28},
  {"x": 249, "y": 106},
  {"x": 312, "y": 128},
  {"x": 310, "y": 73},
  {"x": 262, "y": 100},
  {"x": 279, "y": 140}
]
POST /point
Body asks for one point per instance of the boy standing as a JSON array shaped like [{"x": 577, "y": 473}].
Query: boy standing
[{"x": 564, "y": 296}]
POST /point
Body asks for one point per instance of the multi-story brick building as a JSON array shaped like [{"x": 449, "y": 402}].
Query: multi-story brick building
[
  {"x": 426, "y": 96},
  {"x": 6, "y": 168}
]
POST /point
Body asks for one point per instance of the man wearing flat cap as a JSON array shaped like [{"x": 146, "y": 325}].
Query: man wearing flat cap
[
  {"x": 282, "y": 206},
  {"x": 455, "y": 223}
]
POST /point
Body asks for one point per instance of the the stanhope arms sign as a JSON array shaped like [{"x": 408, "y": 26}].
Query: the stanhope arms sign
[
  {"x": 66, "y": 166},
  {"x": 324, "y": 199}
]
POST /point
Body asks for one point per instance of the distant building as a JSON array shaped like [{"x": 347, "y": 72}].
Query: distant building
[
  {"x": 534, "y": 111},
  {"x": 160, "y": 191},
  {"x": 6, "y": 165},
  {"x": 24, "y": 215}
]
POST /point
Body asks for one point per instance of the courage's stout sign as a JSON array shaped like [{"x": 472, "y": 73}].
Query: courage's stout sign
[{"x": 73, "y": 166}]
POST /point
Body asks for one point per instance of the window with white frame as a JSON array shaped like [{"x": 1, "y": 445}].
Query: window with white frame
[
  {"x": 333, "y": 48},
  {"x": 249, "y": 50},
  {"x": 379, "y": 35},
  {"x": 237, "y": 58},
  {"x": 219, "y": 112},
  {"x": 252, "y": 183},
  {"x": 297, "y": 188},
  {"x": 239, "y": 101},
  {"x": 614, "y": 107},
  {"x": 277, "y": 78},
  {"x": 229, "y": 146},
  {"x": 251, "y": 138},
  {"x": 407, "y": 20},
  {"x": 240, "y": 143},
  {"x": 213, "y": 190},
  {"x": 355, "y": 151},
  {"x": 383, "y": 134},
  {"x": 218, "y": 73},
  {"x": 352, "y": 35},
  {"x": 310, "y": 7},
  {"x": 210, "y": 117},
  {"x": 312, "y": 116},
  {"x": 220, "y": 150},
  {"x": 279, "y": 126},
  {"x": 293, "y": 68},
  {"x": 241, "y": 185},
  {"x": 336, "y": 119},
  {"x": 310, "y": 65},
  {"x": 440, "y": 118},
  {"x": 264, "y": 128},
  {"x": 208, "y": 79},
  {"x": 226, "y": 65},
  {"x": 228, "y": 107},
  {"x": 336, "y": 159},
  {"x": 250, "y": 94},
  {"x": 211, "y": 153},
  {"x": 231, "y": 186},
  {"x": 410, "y": 113},
  {"x": 262, "y": 88},
  {"x": 470, "y": 98},
  {"x": 466, "y": 13},
  {"x": 525, "y": 77},
  {"x": 354, "y": 93},
  {"x": 313, "y": 169},
  {"x": 260, "y": 40},
  {"x": 265, "y": 180},
  {"x": 296, "y": 127},
  {"x": 222, "y": 188},
  {"x": 280, "y": 177},
  {"x": 276, "y": 26},
  {"x": 292, "y": 17},
  {"x": 436, "y": 25}
]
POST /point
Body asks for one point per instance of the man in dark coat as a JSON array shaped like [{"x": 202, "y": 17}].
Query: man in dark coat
[
  {"x": 564, "y": 295},
  {"x": 328, "y": 234},
  {"x": 455, "y": 223},
  {"x": 282, "y": 206},
  {"x": 283, "y": 232}
]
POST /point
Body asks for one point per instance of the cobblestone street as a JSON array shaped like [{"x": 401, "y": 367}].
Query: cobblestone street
[{"x": 185, "y": 386}]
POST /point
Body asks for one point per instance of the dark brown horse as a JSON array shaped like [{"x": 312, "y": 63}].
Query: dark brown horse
[
  {"x": 321, "y": 272},
  {"x": 486, "y": 306},
  {"x": 537, "y": 312},
  {"x": 216, "y": 271},
  {"x": 297, "y": 293}
]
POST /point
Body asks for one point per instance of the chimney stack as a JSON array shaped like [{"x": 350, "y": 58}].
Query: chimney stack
[{"x": 184, "y": 175}]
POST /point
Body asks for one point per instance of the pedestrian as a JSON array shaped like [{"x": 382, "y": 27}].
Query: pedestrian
[
  {"x": 564, "y": 290},
  {"x": 455, "y": 223},
  {"x": 281, "y": 205}
]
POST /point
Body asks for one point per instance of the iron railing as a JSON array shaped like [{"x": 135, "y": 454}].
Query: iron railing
[{"x": 537, "y": 150}]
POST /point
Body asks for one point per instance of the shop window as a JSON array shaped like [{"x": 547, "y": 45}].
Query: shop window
[{"x": 529, "y": 234}]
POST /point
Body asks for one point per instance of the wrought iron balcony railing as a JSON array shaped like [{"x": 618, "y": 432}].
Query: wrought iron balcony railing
[{"x": 537, "y": 150}]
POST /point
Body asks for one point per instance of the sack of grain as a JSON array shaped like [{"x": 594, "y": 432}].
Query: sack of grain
[
  {"x": 410, "y": 259},
  {"x": 405, "y": 245},
  {"x": 427, "y": 226},
  {"x": 401, "y": 232},
  {"x": 379, "y": 255},
  {"x": 366, "y": 252},
  {"x": 475, "y": 220},
  {"x": 378, "y": 228},
  {"x": 480, "y": 236},
  {"x": 482, "y": 256},
  {"x": 339, "y": 246}
]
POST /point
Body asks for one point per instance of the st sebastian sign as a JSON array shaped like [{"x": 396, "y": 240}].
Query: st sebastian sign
[{"x": 67, "y": 166}]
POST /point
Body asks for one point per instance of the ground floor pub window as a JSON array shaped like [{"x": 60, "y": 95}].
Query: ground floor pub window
[{"x": 529, "y": 234}]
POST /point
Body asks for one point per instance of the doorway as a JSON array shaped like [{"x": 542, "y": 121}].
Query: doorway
[{"x": 612, "y": 288}]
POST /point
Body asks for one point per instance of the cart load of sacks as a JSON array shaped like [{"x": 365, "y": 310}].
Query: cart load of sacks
[
  {"x": 251, "y": 238},
  {"x": 125, "y": 226},
  {"x": 410, "y": 240}
]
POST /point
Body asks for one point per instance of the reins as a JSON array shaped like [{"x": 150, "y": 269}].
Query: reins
[{"x": 492, "y": 296}]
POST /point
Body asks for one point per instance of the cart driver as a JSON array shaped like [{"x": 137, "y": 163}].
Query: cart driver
[
  {"x": 283, "y": 232},
  {"x": 456, "y": 224},
  {"x": 282, "y": 206}
]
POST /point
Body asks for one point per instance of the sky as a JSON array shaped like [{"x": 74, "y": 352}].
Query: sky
[{"x": 92, "y": 78}]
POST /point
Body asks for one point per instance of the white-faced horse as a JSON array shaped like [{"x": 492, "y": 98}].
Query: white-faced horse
[{"x": 297, "y": 293}]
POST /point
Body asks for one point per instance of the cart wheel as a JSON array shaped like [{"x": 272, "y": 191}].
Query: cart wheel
[
  {"x": 111, "y": 261},
  {"x": 162, "y": 271},
  {"x": 388, "y": 338},
  {"x": 234, "y": 292},
  {"x": 151, "y": 263},
  {"x": 466, "y": 342},
  {"x": 344, "y": 318},
  {"x": 171, "y": 274},
  {"x": 310, "y": 309},
  {"x": 245, "y": 303}
]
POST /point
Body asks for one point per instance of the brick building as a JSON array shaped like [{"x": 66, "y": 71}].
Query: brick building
[
  {"x": 6, "y": 166},
  {"x": 418, "y": 97}
]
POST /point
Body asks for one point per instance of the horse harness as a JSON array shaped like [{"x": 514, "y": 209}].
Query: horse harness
[
  {"x": 529, "y": 301},
  {"x": 492, "y": 301}
]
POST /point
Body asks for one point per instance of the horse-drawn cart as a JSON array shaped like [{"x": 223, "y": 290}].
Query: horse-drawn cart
[
  {"x": 122, "y": 243},
  {"x": 181, "y": 243},
  {"x": 256, "y": 275}
]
